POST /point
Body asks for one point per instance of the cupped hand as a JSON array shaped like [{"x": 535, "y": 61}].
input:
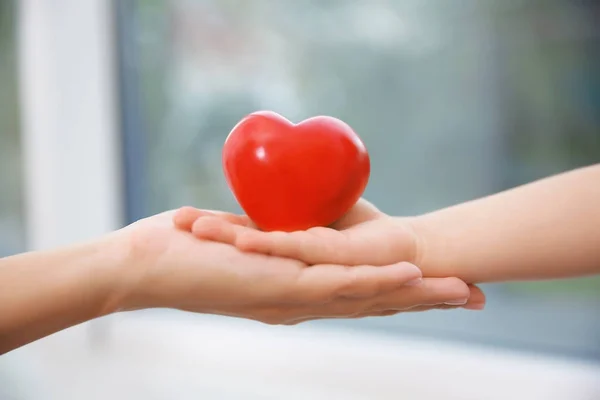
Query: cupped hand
[
  {"x": 167, "y": 267},
  {"x": 364, "y": 235}
]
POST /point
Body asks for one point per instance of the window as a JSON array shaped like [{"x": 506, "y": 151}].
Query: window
[
  {"x": 59, "y": 156},
  {"x": 12, "y": 224},
  {"x": 454, "y": 101}
]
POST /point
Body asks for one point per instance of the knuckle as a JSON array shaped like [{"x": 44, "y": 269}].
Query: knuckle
[{"x": 206, "y": 223}]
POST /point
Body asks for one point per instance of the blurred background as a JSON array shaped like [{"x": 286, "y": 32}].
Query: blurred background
[{"x": 122, "y": 107}]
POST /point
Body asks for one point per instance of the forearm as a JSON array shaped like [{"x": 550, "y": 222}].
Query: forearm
[
  {"x": 45, "y": 292},
  {"x": 544, "y": 230}
]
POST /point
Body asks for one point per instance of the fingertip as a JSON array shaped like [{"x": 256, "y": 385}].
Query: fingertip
[
  {"x": 458, "y": 284},
  {"x": 185, "y": 217},
  {"x": 476, "y": 300},
  {"x": 405, "y": 273},
  {"x": 476, "y": 293},
  {"x": 275, "y": 243},
  {"x": 458, "y": 291},
  {"x": 410, "y": 272},
  {"x": 203, "y": 228}
]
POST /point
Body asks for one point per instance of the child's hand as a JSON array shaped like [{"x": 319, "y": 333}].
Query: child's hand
[{"x": 364, "y": 235}]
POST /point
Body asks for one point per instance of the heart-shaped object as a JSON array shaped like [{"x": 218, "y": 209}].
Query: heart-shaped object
[{"x": 290, "y": 177}]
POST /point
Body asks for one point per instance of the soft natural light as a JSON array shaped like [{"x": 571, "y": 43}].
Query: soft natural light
[{"x": 114, "y": 111}]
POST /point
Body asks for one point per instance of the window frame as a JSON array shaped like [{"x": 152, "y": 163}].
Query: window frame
[{"x": 54, "y": 121}]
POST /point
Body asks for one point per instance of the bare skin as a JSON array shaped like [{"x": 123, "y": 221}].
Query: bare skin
[
  {"x": 547, "y": 229},
  {"x": 152, "y": 264}
]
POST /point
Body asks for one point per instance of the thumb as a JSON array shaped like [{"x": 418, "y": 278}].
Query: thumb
[{"x": 362, "y": 211}]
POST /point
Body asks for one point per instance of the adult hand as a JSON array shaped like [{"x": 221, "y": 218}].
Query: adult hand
[
  {"x": 171, "y": 268},
  {"x": 152, "y": 264},
  {"x": 364, "y": 235}
]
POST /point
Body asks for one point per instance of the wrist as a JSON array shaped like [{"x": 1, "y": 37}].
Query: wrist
[
  {"x": 138, "y": 281},
  {"x": 115, "y": 271},
  {"x": 51, "y": 290},
  {"x": 432, "y": 249}
]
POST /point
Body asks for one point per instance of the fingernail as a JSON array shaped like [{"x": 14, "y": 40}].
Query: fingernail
[
  {"x": 414, "y": 282},
  {"x": 474, "y": 306},
  {"x": 458, "y": 302}
]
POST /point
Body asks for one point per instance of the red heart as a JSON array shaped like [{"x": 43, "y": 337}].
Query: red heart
[{"x": 290, "y": 177}]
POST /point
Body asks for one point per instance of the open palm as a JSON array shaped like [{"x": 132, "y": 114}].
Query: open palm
[
  {"x": 171, "y": 268},
  {"x": 364, "y": 235}
]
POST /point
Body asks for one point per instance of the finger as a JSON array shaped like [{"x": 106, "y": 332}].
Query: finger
[
  {"x": 304, "y": 314},
  {"x": 311, "y": 246},
  {"x": 358, "y": 316},
  {"x": 477, "y": 299},
  {"x": 184, "y": 217},
  {"x": 385, "y": 313},
  {"x": 446, "y": 291},
  {"x": 433, "y": 291},
  {"x": 430, "y": 308},
  {"x": 354, "y": 246},
  {"x": 236, "y": 219},
  {"x": 217, "y": 229},
  {"x": 362, "y": 211},
  {"x": 323, "y": 284}
]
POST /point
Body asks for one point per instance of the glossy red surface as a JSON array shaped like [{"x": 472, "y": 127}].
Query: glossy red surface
[{"x": 291, "y": 177}]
